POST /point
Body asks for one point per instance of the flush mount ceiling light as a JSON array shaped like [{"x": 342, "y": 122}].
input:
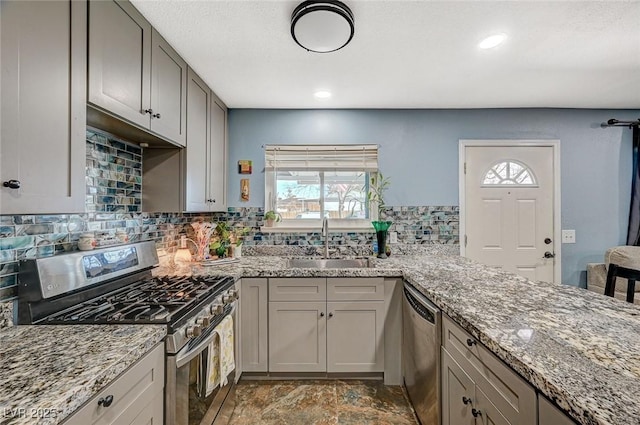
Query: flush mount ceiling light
[
  {"x": 492, "y": 41},
  {"x": 322, "y": 26}
]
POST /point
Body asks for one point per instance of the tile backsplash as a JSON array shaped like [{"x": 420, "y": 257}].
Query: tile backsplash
[{"x": 114, "y": 203}]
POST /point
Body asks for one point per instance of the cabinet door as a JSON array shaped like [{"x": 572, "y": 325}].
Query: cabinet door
[
  {"x": 548, "y": 414},
  {"x": 355, "y": 336},
  {"x": 43, "y": 106},
  {"x": 218, "y": 156},
  {"x": 198, "y": 135},
  {"x": 457, "y": 387},
  {"x": 487, "y": 413},
  {"x": 253, "y": 325},
  {"x": 168, "y": 91},
  {"x": 120, "y": 60},
  {"x": 132, "y": 391},
  {"x": 297, "y": 337}
]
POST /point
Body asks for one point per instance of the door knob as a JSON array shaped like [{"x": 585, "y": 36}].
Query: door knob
[
  {"x": 156, "y": 115},
  {"x": 549, "y": 254},
  {"x": 466, "y": 400},
  {"x": 547, "y": 241},
  {"x": 148, "y": 111},
  {"x": 475, "y": 412}
]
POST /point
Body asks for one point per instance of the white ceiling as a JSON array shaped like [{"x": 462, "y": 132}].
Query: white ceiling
[{"x": 413, "y": 54}]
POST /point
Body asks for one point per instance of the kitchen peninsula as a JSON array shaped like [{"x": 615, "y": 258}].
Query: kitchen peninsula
[{"x": 577, "y": 348}]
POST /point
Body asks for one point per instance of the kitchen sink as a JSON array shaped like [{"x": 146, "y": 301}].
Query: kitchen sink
[{"x": 331, "y": 263}]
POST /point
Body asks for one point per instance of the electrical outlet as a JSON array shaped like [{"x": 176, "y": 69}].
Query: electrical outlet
[
  {"x": 568, "y": 236},
  {"x": 393, "y": 237}
]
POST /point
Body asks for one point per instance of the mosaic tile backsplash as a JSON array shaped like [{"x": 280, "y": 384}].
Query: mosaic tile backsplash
[
  {"x": 114, "y": 185},
  {"x": 113, "y": 174}
]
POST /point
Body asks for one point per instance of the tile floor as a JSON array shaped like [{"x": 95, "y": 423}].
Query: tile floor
[{"x": 343, "y": 402}]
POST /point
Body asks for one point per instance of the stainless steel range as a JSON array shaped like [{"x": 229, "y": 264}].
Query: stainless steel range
[{"x": 115, "y": 285}]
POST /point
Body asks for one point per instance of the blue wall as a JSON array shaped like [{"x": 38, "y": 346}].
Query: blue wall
[{"x": 419, "y": 152}]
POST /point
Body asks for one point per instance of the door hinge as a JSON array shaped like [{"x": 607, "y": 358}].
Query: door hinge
[
  {"x": 465, "y": 168},
  {"x": 465, "y": 241}
]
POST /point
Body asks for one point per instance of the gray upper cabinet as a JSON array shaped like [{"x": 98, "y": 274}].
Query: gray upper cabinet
[
  {"x": 168, "y": 91},
  {"x": 134, "y": 73},
  {"x": 206, "y": 155},
  {"x": 217, "y": 177},
  {"x": 199, "y": 133},
  {"x": 43, "y": 106}
]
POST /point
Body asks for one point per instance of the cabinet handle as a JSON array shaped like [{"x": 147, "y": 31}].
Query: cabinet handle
[
  {"x": 12, "y": 184},
  {"x": 466, "y": 400},
  {"x": 321, "y": 314},
  {"x": 148, "y": 111},
  {"x": 475, "y": 412},
  {"x": 156, "y": 115},
  {"x": 105, "y": 401},
  {"x": 471, "y": 342},
  {"x": 330, "y": 314},
  {"x": 213, "y": 200}
]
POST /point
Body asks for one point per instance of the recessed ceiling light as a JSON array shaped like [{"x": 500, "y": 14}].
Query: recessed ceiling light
[
  {"x": 492, "y": 41},
  {"x": 322, "y": 94}
]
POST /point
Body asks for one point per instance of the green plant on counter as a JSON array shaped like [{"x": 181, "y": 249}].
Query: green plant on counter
[
  {"x": 377, "y": 186},
  {"x": 272, "y": 215},
  {"x": 238, "y": 234}
]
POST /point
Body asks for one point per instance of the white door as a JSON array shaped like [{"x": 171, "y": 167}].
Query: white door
[{"x": 508, "y": 207}]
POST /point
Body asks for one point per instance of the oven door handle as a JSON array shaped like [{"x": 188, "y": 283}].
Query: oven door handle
[{"x": 185, "y": 355}]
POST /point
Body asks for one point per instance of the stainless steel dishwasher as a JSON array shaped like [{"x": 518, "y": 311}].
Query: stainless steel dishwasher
[{"x": 421, "y": 321}]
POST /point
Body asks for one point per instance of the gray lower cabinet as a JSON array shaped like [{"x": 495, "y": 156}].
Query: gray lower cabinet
[
  {"x": 499, "y": 395},
  {"x": 136, "y": 396},
  {"x": 548, "y": 414},
  {"x": 297, "y": 336},
  {"x": 355, "y": 336},
  {"x": 326, "y": 325},
  {"x": 254, "y": 337},
  {"x": 43, "y": 106},
  {"x": 134, "y": 73},
  {"x": 458, "y": 392}
]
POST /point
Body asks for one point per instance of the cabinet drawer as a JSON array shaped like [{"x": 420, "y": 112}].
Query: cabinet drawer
[
  {"x": 298, "y": 289},
  {"x": 132, "y": 392},
  {"x": 355, "y": 289},
  {"x": 511, "y": 395}
]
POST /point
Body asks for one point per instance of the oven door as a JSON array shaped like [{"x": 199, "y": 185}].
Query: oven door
[{"x": 185, "y": 403}]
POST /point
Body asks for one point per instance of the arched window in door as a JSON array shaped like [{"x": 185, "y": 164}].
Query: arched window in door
[{"x": 511, "y": 173}]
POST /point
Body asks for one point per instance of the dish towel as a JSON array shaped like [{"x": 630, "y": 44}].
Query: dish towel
[{"x": 221, "y": 360}]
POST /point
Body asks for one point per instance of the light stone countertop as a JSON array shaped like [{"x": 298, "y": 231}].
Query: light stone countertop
[
  {"x": 578, "y": 348},
  {"x": 53, "y": 370}
]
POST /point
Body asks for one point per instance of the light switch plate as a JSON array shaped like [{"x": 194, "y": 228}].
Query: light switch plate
[
  {"x": 393, "y": 237},
  {"x": 568, "y": 236}
]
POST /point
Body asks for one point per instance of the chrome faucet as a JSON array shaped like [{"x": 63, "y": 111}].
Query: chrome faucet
[{"x": 325, "y": 234}]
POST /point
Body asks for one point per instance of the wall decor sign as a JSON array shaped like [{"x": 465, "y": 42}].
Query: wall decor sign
[
  {"x": 244, "y": 166},
  {"x": 244, "y": 190}
]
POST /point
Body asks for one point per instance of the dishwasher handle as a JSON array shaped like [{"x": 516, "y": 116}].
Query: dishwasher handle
[{"x": 421, "y": 305}]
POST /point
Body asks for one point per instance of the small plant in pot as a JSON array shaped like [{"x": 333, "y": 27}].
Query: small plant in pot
[
  {"x": 271, "y": 217},
  {"x": 378, "y": 185}
]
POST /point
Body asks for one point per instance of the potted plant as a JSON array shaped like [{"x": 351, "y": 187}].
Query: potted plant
[
  {"x": 236, "y": 239},
  {"x": 378, "y": 185},
  {"x": 271, "y": 217}
]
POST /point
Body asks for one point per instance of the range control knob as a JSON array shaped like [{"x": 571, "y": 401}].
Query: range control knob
[
  {"x": 216, "y": 308},
  {"x": 193, "y": 331},
  {"x": 204, "y": 322},
  {"x": 227, "y": 299}
]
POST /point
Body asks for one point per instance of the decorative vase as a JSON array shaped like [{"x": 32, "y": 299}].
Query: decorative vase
[
  {"x": 270, "y": 222},
  {"x": 381, "y": 234},
  {"x": 236, "y": 251}
]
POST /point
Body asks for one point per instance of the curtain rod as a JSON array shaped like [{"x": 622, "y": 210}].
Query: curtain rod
[{"x": 617, "y": 123}]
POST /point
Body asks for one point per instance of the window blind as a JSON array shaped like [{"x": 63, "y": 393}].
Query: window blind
[{"x": 321, "y": 157}]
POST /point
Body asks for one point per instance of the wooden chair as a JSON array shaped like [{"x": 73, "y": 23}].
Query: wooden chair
[{"x": 616, "y": 271}]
